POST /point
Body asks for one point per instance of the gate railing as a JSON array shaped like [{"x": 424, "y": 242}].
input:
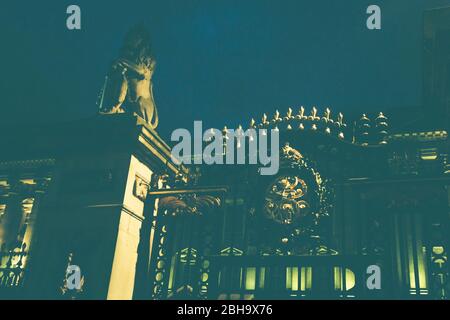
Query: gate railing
[
  {"x": 12, "y": 265},
  {"x": 290, "y": 277}
]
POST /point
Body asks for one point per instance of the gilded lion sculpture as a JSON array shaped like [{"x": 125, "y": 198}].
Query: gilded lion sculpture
[{"x": 128, "y": 85}]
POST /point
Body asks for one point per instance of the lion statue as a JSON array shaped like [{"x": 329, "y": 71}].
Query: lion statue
[{"x": 128, "y": 85}]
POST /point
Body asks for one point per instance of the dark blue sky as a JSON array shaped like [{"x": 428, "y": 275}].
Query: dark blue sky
[{"x": 221, "y": 61}]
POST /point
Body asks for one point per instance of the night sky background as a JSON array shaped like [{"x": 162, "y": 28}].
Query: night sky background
[{"x": 220, "y": 61}]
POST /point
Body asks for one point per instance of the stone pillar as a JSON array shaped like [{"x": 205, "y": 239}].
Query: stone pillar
[
  {"x": 122, "y": 280},
  {"x": 94, "y": 209}
]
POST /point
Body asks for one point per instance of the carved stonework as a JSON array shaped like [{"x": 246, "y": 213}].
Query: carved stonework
[{"x": 141, "y": 188}]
